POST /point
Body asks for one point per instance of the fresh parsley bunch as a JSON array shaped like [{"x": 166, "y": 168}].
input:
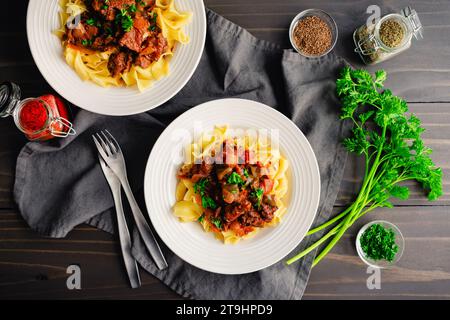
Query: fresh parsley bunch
[{"x": 390, "y": 141}]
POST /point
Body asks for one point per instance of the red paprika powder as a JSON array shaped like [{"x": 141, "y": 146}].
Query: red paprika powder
[
  {"x": 33, "y": 116},
  {"x": 40, "y": 118}
]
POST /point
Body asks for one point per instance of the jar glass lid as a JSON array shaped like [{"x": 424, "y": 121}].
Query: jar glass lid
[{"x": 9, "y": 96}]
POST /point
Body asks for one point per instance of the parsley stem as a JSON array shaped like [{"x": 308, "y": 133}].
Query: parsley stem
[
  {"x": 330, "y": 222},
  {"x": 330, "y": 233},
  {"x": 333, "y": 241},
  {"x": 359, "y": 215},
  {"x": 346, "y": 224},
  {"x": 354, "y": 211},
  {"x": 314, "y": 245}
]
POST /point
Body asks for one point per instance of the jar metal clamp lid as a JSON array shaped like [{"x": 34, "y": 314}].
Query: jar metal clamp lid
[{"x": 371, "y": 43}]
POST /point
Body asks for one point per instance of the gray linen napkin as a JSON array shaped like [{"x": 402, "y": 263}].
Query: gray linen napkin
[{"x": 59, "y": 184}]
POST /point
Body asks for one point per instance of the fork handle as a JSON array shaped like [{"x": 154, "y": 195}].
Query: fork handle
[
  {"x": 146, "y": 233},
  {"x": 125, "y": 240}
]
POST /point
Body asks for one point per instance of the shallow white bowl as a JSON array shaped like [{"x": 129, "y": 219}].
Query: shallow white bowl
[
  {"x": 399, "y": 240},
  {"x": 47, "y": 51},
  {"x": 188, "y": 240}
]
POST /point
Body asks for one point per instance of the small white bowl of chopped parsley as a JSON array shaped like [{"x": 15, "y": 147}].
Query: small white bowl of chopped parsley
[{"x": 380, "y": 244}]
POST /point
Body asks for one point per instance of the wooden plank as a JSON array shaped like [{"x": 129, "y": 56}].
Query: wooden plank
[
  {"x": 10, "y": 145},
  {"x": 13, "y": 16},
  {"x": 31, "y": 266},
  {"x": 35, "y": 267},
  {"x": 270, "y": 21},
  {"x": 423, "y": 271}
]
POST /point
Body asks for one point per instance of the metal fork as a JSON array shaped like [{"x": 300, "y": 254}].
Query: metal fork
[
  {"x": 124, "y": 234},
  {"x": 110, "y": 151}
]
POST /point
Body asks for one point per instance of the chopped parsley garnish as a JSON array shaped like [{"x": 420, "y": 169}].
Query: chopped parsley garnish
[
  {"x": 201, "y": 218},
  {"x": 86, "y": 42},
  {"x": 105, "y": 7},
  {"x": 132, "y": 8},
  {"x": 200, "y": 188},
  {"x": 258, "y": 194},
  {"x": 235, "y": 178},
  {"x": 141, "y": 2},
  {"x": 109, "y": 31},
  {"x": 378, "y": 243},
  {"x": 125, "y": 20},
  {"x": 246, "y": 173},
  {"x": 217, "y": 222},
  {"x": 90, "y": 21},
  {"x": 153, "y": 22},
  {"x": 208, "y": 202}
]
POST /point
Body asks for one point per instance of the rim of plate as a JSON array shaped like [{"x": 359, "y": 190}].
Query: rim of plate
[
  {"x": 188, "y": 240},
  {"x": 46, "y": 49}
]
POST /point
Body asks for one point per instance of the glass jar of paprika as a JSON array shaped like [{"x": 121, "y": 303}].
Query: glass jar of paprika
[{"x": 41, "y": 118}]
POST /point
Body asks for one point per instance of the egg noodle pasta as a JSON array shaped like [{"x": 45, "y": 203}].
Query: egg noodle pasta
[
  {"x": 92, "y": 65},
  {"x": 232, "y": 199}
]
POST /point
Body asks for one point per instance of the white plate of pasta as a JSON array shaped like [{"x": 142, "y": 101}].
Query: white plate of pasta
[
  {"x": 116, "y": 57},
  {"x": 232, "y": 186}
]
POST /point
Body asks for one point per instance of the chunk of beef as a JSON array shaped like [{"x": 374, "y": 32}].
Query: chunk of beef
[
  {"x": 81, "y": 33},
  {"x": 110, "y": 9},
  {"x": 251, "y": 218},
  {"x": 239, "y": 229},
  {"x": 145, "y": 4},
  {"x": 121, "y": 4},
  {"x": 266, "y": 184},
  {"x": 91, "y": 31},
  {"x": 97, "y": 5},
  {"x": 267, "y": 211},
  {"x": 235, "y": 211},
  {"x": 230, "y": 192},
  {"x": 195, "y": 171},
  {"x": 134, "y": 38},
  {"x": 154, "y": 47},
  {"x": 206, "y": 168},
  {"x": 103, "y": 43},
  {"x": 119, "y": 63}
]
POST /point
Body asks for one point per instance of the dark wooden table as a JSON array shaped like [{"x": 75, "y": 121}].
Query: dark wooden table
[{"x": 35, "y": 267}]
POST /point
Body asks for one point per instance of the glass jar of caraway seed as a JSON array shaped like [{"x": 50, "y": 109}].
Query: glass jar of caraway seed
[{"x": 391, "y": 35}]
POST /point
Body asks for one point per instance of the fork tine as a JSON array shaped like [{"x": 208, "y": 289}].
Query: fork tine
[
  {"x": 111, "y": 145},
  {"x": 99, "y": 147},
  {"x": 104, "y": 145},
  {"x": 113, "y": 140}
]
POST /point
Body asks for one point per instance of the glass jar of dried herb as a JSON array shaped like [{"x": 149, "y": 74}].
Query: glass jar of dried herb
[{"x": 391, "y": 35}]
